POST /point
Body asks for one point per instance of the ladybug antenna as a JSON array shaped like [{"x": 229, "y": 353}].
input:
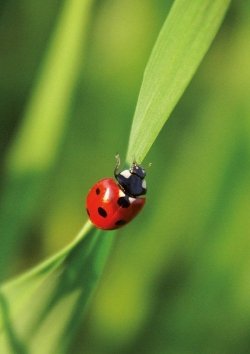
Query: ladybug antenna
[{"x": 118, "y": 162}]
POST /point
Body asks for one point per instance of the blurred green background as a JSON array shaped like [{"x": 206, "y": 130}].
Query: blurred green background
[{"x": 178, "y": 278}]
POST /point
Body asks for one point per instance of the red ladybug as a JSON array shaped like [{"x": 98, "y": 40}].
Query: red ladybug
[{"x": 111, "y": 204}]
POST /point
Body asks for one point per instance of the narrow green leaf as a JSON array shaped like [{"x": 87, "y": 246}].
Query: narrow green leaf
[
  {"x": 53, "y": 295},
  {"x": 37, "y": 142},
  {"x": 182, "y": 43},
  {"x": 36, "y": 145}
]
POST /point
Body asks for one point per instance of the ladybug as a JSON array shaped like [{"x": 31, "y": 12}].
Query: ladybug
[{"x": 111, "y": 203}]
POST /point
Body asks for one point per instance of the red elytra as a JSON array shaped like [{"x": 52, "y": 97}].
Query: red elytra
[{"x": 109, "y": 207}]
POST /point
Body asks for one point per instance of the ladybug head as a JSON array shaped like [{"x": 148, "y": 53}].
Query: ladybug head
[
  {"x": 132, "y": 181},
  {"x": 137, "y": 170}
]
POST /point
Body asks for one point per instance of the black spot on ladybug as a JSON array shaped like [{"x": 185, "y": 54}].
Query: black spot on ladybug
[
  {"x": 123, "y": 202},
  {"x": 97, "y": 191},
  {"x": 120, "y": 222},
  {"x": 102, "y": 212},
  {"x": 88, "y": 211}
]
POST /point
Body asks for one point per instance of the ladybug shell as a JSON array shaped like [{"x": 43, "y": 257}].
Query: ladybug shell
[{"x": 109, "y": 207}]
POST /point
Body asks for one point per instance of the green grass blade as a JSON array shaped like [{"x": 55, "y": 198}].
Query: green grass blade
[
  {"x": 182, "y": 43},
  {"x": 36, "y": 145},
  {"x": 53, "y": 295},
  {"x": 37, "y": 142}
]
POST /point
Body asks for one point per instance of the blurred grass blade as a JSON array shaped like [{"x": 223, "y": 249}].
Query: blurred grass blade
[
  {"x": 37, "y": 142},
  {"x": 53, "y": 295},
  {"x": 36, "y": 145},
  {"x": 182, "y": 43}
]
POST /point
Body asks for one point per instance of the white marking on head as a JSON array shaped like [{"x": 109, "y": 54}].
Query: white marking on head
[
  {"x": 126, "y": 173},
  {"x": 131, "y": 200},
  {"x": 144, "y": 184}
]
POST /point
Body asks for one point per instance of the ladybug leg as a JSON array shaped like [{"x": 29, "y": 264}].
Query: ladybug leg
[{"x": 118, "y": 162}]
